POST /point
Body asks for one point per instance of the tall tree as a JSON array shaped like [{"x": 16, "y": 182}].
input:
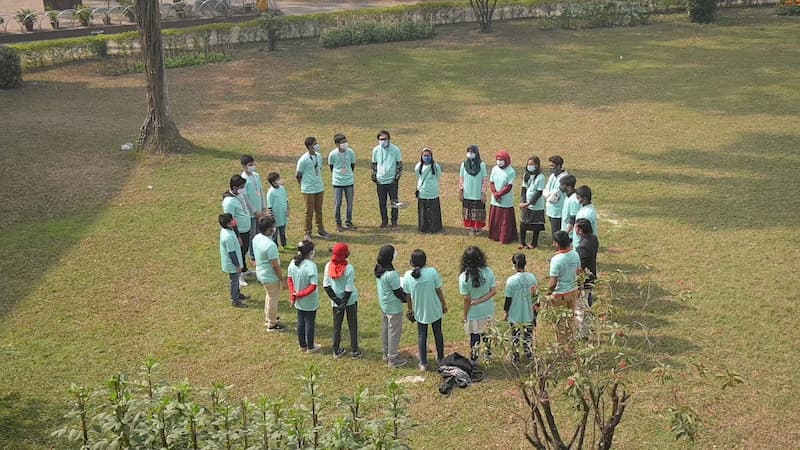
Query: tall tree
[
  {"x": 484, "y": 10},
  {"x": 159, "y": 134}
]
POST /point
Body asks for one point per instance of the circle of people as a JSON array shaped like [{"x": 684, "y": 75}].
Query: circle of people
[{"x": 254, "y": 223}]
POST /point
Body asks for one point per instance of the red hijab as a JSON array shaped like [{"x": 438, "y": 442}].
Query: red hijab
[
  {"x": 502, "y": 154},
  {"x": 339, "y": 260}
]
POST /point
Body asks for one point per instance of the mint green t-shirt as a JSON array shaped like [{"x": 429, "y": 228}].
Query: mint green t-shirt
[
  {"x": 278, "y": 202},
  {"x": 386, "y": 285},
  {"x": 310, "y": 169},
  {"x": 570, "y": 208},
  {"x": 425, "y": 302},
  {"x": 535, "y": 184},
  {"x": 589, "y": 213},
  {"x": 265, "y": 251},
  {"x": 565, "y": 266},
  {"x": 345, "y": 283},
  {"x": 342, "y": 162},
  {"x": 518, "y": 287},
  {"x": 473, "y": 184},
  {"x": 235, "y": 207},
  {"x": 553, "y": 209},
  {"x": 302, "y": 276},
  {"x": 254, "y": 190},
  {"x": 485, "y": 309},
  {"x": 428, "y": 182},
  {"x": 501, "y": 178},
  {"x": 386, "y": 160},
  {"x": 229, "y": 242}
]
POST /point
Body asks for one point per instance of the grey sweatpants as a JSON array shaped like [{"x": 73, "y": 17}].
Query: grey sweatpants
[{"x": 391, "y": 330}]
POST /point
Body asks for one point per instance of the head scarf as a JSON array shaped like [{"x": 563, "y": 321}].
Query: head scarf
[
  {"x": 502, "y": 154},
  {"x": 473, "y": 166},
  {"x": 339, "y": 260}
]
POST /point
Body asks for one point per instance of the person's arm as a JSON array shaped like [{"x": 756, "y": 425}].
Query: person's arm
[
  {"x": 505, "y": 190},
  {"x": 489, "y": 295},
  {"x": 331, "y": 166},
  {"x": 299, "y": 177},
  {"x": 307, "y": 291},
  {"x": 374, "y": 172},
  {"x": 440, "y": 294},
  {"x": 234, "y": 260},
  {"x": 292, "y": 295},
  {"x": 467, "y": 303},
  {"x": 398, "y": 170},
  {"x": 332, "y": 295},
  {"x": 276, "y": 266},
  {"x": 553, "y": 282},
  {"x": 535, "y": 197},
  {"x": 402, "y": 296}
]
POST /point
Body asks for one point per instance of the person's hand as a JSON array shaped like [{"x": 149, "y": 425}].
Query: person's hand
[
  {"x": 240, "y": 241},
  {"x": 505, "y": 316},
  {"x": 444, "y": 309},
  {"x": 483, "y": 197},
  {"x": 292, "y": 299},
  {"x": 284, "y": 284},
  {"x": 374, "y": 179},
  {"x": 461, "y": 195},
  {"x": 536, "y": 307},
  {"x": 523, "y": 205}
]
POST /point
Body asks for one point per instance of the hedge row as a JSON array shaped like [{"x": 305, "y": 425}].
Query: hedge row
[{"x": 370, "y": 32}]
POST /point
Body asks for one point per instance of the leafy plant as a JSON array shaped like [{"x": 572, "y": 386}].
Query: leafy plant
[
  {"x": 84, "y": 15},
  {"x": 370, "y": 32},
  {"x": 26, "y": 18},
  {"x": 10, "y": 68},
  {"x": 701, "y": 11}
]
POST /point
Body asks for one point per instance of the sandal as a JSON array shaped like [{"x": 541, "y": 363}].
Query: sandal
[{"x": 521, "y": 246}]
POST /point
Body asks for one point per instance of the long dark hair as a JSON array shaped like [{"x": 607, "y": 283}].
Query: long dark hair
[
  {"x": 385, "y": 256},
  {"x": 533, "y": 174},
  {"x": 422, "y": 164},
  {"x": 418, "y": 260},
  {"x": 303, "y": 250},
  {"x": 472, "y": 261}
]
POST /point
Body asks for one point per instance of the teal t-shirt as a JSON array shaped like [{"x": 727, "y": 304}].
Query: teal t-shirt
[
  {"x": 342, "y": 163},
  {"x": 254, "y": 190},
  {"x": 553, "y": 209},
  {"x": 386, "y": 160},
  {"x": 278, "y": 202},
  {"x": 426, "y": 304},
  {"x": 535, "y": 184},
  {"x": 501, "y": 178},
  {"x": 565, "y": 265},
  {"x": 473, "y": 184},
  {"x": 229, "y": 242},
  {"x": 302, "y": 276},
  {"x": 428, "y": 182},
  {"x": 386, "y": 285},
  {"x": 518, "y": 287},
  {"x": 570, "y": 208},
  {"x": 235, "y": 207},
  {"x": 265, "y": 251},
  {"x": 589, "y": 213},
  {"x": 345, "y": 283},
  {"x": 485, "y": 309},
  {"x": 310, "y": 169}
]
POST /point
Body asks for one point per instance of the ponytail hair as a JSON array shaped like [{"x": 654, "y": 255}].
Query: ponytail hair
[
  {"x": 304, "y": 249},
  {"x": 519, "y": 260},
  {"x": 385, "y": 256},
  {"x": 418, "y": 260}
]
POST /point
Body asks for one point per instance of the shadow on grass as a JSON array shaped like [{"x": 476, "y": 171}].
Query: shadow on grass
[{"x": 22, "y": 424}]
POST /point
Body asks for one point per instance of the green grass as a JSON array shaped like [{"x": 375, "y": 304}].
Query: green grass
[{"x": 689, "y": 142}]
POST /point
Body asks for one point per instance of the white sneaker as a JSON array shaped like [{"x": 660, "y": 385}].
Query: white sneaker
[
  {"x": 316, "y": 349},
  {"x": 399, "y": 205},
  {"x": 242, "y": 283}
]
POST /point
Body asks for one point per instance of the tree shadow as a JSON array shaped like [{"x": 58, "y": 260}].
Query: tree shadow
[{"x": 22, "y": 424}]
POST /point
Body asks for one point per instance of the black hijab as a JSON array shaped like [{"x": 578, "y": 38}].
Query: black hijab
[{"x": 473, "y": 166}]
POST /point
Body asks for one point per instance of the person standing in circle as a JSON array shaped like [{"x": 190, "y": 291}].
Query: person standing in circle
[
  {"x": 390, "y": 298},
  {"x": 342, "y": 161},
  {"x": 553, "y": 197},
  {"x": 309, "y": 176},
  {"x": 472, "y": 181},
  {"x": 532, "y": 203},
  {"x": 502, "y": 220},
  {"x": 477, "y": 284},
  {"x": 424, "y": 287},
  {"x": 429, "y": 210},
  {"x": 303, "y": 278},
  {"x": 387, "y": 167}
]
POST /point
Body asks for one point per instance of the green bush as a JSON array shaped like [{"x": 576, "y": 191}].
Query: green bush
[
  {"x": 10, "y": 68},
  {"x": 784, "y": 10},
  {"x": 598, "y": 14},
  {"x": 370, "y": 32},
  {"x": 701, "y": 11}
]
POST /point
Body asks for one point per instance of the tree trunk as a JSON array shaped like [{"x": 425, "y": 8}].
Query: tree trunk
[{"x": 159, "y": 133}]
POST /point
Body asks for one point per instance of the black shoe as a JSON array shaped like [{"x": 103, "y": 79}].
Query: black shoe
[
  {"x": 243, "y": 297},
  {"x": 277, "y": 327},
  {"x": 384, "y": 225},
  {"x": 238, "y": 304}
]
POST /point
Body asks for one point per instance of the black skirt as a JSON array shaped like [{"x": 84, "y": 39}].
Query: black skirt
[{"x": 429, "y": 215}]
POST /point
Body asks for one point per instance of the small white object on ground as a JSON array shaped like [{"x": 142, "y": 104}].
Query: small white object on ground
[
  {"x": 149, "y": 187},
  {"x": 126, "y": 147},
  {"x": 411, "y": 379}
]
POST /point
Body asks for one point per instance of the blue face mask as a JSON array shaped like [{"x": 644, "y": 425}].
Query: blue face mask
[{"x": 426, "y": 159}]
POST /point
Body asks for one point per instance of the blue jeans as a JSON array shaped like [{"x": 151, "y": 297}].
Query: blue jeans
[
  {"x": 234, "y": 287},
  {"x": 422, "y": 341},
  {"x": 280, "y": 232},
  {"x": 305, "y": 328},
  {"x": 337, "y": 203}
]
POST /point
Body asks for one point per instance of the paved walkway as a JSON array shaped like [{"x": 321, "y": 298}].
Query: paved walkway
[{"x": 9, "y": 7}]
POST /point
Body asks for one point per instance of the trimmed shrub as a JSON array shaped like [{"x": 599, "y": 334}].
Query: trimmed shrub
[
  {"x": 370, "y": 32},
  {"x": 10, "y": 68},
  {"x": 701, "y": 11}
]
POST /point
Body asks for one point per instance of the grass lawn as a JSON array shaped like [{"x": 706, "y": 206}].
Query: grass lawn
[{"x": 688, "y": 136}]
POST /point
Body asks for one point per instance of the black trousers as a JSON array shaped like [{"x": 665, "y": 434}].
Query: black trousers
[
  {"x": 352, "y": 323},
  {"x": 387, "y": 192}
]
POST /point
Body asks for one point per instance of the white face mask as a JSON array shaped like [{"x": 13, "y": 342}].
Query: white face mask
[
  {"x": 279, "y": 182},
  {"x": 251, "y": 168},
  {"x": 470, "y": 155},
  {"x": 312, "y": 254},
  {"x": 384, "y": 144},
  {"x": 501, "y": 163},
  {"x": 531, "y": 168},
  {"x": 316, "y": 147},
  {"x": 394, "y": 257},
  {"x": 343, "y": 146}
]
